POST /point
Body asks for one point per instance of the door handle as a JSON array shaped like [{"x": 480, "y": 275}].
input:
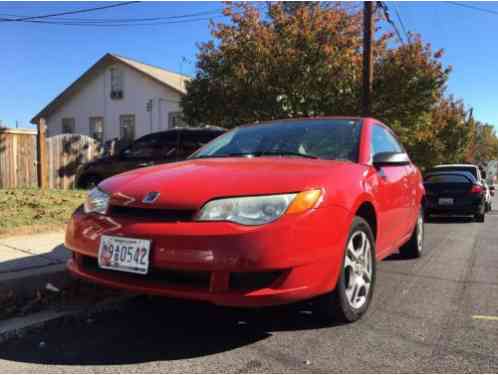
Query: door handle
[{"x": 145, "y": 164}]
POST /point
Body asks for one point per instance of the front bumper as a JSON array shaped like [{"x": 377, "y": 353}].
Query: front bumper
[{"x": 295, "y": 258}]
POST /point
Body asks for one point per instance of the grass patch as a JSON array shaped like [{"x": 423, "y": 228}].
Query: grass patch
[{"x": 26, "y": 211}]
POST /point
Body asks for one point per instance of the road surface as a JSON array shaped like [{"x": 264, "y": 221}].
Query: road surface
[{"x": 438, "y": 313}]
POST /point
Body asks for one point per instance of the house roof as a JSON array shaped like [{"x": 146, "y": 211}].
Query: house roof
[{"x": 169, "y": 79}]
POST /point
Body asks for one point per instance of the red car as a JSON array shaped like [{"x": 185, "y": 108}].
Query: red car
[{"x": 263, "y": 215}]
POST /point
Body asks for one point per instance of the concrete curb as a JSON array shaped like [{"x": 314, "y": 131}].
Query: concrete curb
[
  {"x": 18, "y": 327},
  {"x": 25, "y": 283}
]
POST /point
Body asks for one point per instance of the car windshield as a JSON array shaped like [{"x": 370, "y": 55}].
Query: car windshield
[{"x": 331, "y": 139}]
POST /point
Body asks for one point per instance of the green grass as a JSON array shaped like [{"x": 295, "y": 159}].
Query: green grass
[{"x": 25, "y": 211}]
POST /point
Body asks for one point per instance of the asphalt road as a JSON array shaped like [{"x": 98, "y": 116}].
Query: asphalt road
[{"x": 438, "y": 313}]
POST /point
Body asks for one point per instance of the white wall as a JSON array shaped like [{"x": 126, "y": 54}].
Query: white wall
[{"x": 94, "y": 100}]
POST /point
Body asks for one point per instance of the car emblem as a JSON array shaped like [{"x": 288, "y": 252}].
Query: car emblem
[{"x": 151, "y": 197}]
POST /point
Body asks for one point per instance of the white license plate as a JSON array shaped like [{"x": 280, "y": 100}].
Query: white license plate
[
  {"x": 124, "y": 254},
  {"x": 445, "y": 201}
]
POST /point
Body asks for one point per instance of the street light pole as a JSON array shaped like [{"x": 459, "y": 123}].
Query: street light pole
[{"x": 367, "y": 57}]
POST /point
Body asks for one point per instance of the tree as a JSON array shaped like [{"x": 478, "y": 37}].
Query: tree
[
  {"x": 301, "y": 63},
  {"x": 305, "y": 59}
]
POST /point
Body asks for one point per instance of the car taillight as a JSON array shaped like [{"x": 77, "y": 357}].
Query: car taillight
[{"x": 476, "y": 189}]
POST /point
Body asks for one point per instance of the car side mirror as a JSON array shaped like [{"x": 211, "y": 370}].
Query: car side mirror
[{"x": 390, "y": 158}]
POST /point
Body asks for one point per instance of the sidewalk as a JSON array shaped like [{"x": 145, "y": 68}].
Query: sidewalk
[{"x": 27, "y": 262}]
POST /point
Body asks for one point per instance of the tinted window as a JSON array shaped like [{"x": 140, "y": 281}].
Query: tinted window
[
  {"x": 326, "y": 139},
  {"x": 384, "y": 141},
  {"x": 157, "y": 145},
  {"x": 447, "y": 178},
  {"x": 192, "y": 140},
  {"x": 472, "y": 170}
]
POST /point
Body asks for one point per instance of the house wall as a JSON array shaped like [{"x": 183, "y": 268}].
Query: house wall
[{"x": 93, "y": 100}]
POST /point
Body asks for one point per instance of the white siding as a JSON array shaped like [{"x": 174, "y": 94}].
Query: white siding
[{"x": 94, "y": 100}]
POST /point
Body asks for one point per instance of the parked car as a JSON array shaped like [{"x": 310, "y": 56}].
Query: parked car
[
  {"x": 155, "y": 148},
  {"x": 454, "y": 193},
  {"x": 266, "y": 214}
]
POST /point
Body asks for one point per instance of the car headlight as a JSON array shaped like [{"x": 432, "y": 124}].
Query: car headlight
[
  {"x": 259, "y": 209},
  {"x": 96, "y": 201}
]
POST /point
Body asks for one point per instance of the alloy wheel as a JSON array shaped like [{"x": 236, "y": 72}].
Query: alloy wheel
[{"x": 358, "y": 269}]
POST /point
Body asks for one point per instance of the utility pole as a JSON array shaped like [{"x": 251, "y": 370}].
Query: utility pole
[{"x": 367, "y": 57}]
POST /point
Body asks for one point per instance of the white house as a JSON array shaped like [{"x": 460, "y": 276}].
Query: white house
[{"x": 117, "y": 98}]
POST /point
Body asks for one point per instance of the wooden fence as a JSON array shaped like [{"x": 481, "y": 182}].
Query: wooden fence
[
  {"x": 64, "y": 154},
  {"x": 18, "y": 158}
]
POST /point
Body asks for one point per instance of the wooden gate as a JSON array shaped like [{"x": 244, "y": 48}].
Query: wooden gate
[
  {"x": 65, "y": 153},
  {"x": 18, "y": 158}
]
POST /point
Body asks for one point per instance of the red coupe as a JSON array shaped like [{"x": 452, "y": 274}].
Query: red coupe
[{"x": 265, "y": 214}]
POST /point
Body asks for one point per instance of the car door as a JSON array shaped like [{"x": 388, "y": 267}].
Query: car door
[{"x": 392, "y": 192}]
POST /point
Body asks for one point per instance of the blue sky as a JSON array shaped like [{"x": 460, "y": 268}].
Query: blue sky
[{"x": 37, "y": 61}]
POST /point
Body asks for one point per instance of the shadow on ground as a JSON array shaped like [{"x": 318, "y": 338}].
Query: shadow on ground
[
  {"x": 15, "y": 260},
  {"x": 154, "y": 330}
]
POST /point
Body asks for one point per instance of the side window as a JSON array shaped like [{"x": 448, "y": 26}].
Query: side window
[
  {"x": 116, "y": 83},
  {"x": 154, "y": 146},
  {"x": 96, "y": 125},
  {"x": 126, "y": 129},
  {"x": 383, "y": 141},
  {"x": 68, "y": 125}
]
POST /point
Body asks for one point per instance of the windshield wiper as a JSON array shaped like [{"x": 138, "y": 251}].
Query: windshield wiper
[{"x": 286, "y": 153}]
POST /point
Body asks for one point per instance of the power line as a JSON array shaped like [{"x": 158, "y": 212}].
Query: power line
[
  {"x": 69, "y": 12},
  {"x": 385, "y": 11},
  {"x": 400, "y": 20},
  {"x": 124, "y": 24},
  {"x": 123, "y": 20},
  {"x": 490, "y": 11}
]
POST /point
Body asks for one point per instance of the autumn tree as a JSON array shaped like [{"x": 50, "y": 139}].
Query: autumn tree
[{"x": 305, "y": 59}]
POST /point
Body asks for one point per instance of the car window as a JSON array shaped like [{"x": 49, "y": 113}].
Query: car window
[
  {"x": 332, "y": 139},
  {"x": 384, "y": 141},
  {"x": 157, "y": 145},
  {"x": 447, "y": 178},
  {"x": 472, "y": 170}
]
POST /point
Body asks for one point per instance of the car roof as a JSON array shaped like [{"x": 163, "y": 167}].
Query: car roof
[
  {"x": 455, "y": 165},
  {"x": 214, "y": 129},
  {"x": 308, "y": 119}
]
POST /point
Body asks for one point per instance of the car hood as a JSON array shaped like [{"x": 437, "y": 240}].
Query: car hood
[{"x": 190, "y": 184}]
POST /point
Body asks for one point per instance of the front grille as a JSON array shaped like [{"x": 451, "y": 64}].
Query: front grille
[
  {"x": 154, "y": 214},
  {"x": 196, "y": 279}
]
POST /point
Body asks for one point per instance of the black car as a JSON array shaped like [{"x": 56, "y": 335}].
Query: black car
[
  {"x": 454, "y": 193},
  {"x": 156, "y": 148}
]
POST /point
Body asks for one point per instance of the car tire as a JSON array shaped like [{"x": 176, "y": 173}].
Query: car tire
[
  {"x": 89, "y": 181},
  {"x": 354, "y": 289},
  {"x": 414, "y": 247}
]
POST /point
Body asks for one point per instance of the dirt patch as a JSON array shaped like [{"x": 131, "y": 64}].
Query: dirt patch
[{"x": 28, "y": 211}]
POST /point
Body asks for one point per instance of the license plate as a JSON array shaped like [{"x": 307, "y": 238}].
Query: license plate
[
  {"x": 445, "y": 201},
  {"x": 124, "y": 254}
]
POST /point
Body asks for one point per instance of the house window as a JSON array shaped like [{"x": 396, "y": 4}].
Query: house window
[
  {"x": 97, "y": 128},
  {"x": 68, "y": 125},
  {"x": 116, "y": 83},
  {"x": 175, "y": 120},
  {"x": 126, "y": 129}
]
